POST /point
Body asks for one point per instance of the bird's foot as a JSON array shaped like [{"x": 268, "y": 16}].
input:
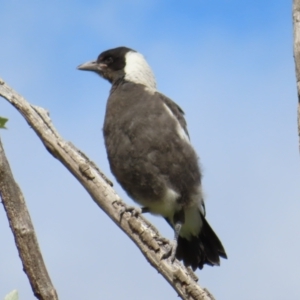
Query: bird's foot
[
  {"x": 162, "y": 240},
  {"x": 172, "y": 246},
  {"x": 171, "y": 251},
  {"x": 135, "y": 211}
]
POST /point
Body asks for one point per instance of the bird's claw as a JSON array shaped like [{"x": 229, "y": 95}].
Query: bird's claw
[
  {"x": 171, "y": 251},
  {"x": 135, "y": 211}
]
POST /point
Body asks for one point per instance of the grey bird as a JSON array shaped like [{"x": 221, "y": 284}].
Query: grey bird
[{"x": 150, "y": 154}]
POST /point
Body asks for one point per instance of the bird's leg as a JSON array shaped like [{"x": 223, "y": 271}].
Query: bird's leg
[
  {"x": 171, "y": 252},
  {"x": 145, "y": 210},
  {"x": 178, "y": 221}
]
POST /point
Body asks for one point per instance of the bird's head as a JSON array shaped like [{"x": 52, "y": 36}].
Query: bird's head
[{"x": 122, "y": 62}]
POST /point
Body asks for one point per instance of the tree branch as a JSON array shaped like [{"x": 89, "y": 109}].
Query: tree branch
[
  {"x": 296, "y": 23},
  {"x": 23, "y": 231},
  {"x": 140, "y": 231}
]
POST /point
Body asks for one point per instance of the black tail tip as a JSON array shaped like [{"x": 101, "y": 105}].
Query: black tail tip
[{"x": 206, "y": 248}]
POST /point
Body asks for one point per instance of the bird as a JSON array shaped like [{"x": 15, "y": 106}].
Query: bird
[{"x": 151, "y": 155}]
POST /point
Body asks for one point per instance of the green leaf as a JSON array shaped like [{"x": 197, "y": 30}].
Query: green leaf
[
  {"x": 3, "y": 122},
  {"x": 13, "y": 295}
]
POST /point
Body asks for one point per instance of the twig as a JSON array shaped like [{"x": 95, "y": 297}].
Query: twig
[
  {"x": 140, "y": 231},
  {"x": 296, "y": 23},
  {"x": 23, "y": 231}
]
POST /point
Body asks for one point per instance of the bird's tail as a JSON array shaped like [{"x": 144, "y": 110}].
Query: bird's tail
[{"x": 206, "y": 248}]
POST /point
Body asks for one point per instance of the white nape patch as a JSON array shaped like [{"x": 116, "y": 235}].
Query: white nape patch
[
  {"x": 137, "y": 70},
  {"x": 179, "y": 128},
  {"x": 192, "y": 222}
]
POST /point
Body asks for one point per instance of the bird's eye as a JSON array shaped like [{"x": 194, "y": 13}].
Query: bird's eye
[{"x": 108, "y": 60}]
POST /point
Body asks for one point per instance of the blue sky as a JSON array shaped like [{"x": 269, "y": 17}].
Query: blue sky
[{"x": 229, "y": 65}]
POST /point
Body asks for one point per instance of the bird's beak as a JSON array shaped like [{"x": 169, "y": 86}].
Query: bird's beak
[{"x": 90, "y": 66}]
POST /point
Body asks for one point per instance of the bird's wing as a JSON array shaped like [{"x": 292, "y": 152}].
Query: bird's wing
[{"x": 177, "y": 111}]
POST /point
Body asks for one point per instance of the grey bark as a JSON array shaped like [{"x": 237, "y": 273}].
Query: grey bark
[
  {"x": 23, "y": 231},
  {"x": 138, "y": 229}
]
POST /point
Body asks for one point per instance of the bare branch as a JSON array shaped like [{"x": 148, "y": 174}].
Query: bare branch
[
  {"x": 296, "y": 23},
  {"x": 23, "y": 231},
  {"x": 141, "y": 232}
]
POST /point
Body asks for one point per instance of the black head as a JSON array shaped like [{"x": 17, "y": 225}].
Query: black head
[
  {"x": 110, "y": 64},
  {"x": 122, "y": 62}
]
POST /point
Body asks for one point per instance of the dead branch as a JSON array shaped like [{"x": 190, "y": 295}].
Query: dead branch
[{"x": 23, "y": 231}]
